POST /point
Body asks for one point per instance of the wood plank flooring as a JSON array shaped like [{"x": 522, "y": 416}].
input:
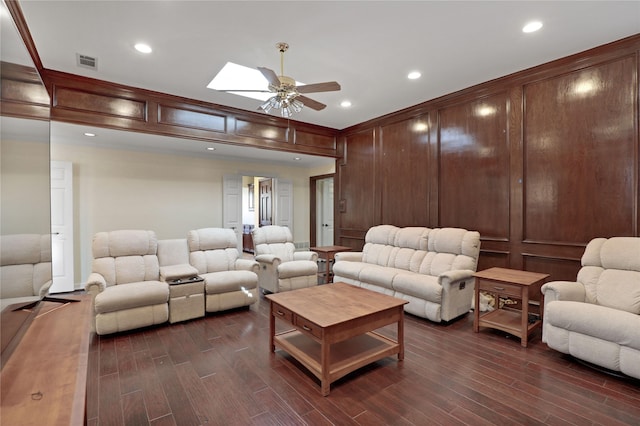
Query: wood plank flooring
[{"x": 218, "y": 371}]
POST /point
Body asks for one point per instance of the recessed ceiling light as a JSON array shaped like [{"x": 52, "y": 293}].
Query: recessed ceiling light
[
  {"x": 89, "y": 134},
  {"x": 413, "y": 75},
  {"x": 345, "y": 104},
  {"x": 297, "y": 158},
  {"x": 532, "y": 27},
  {"x": 211, "y": 148},
  {"x": 143, "y": 48}
]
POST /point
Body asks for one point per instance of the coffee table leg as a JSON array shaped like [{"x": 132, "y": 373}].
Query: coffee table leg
[
  {"x": 272, "y": 328},
  {"x": 325, "y": 384},
  {"x": 401, "y": 334}
]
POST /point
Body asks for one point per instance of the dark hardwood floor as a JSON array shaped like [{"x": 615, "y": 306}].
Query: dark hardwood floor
[{"x": 218, "y": 371}]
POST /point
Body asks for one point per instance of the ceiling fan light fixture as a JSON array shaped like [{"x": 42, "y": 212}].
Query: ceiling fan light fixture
[
  {"x": 271, "y": 103},
  {"x": 286, "y": 94}
]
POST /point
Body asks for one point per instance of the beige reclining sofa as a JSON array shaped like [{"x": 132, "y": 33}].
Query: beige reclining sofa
[
  {"x": 597, "y": 317},
  {"x": 25, "y": 268},
  {"x": 282, "y": 268},
  {"x": 230, "y": 281},
  {"x": 140, "y": 281},
  {"x": 431, "y": 268},
  {"x": 125, "y": 281}
]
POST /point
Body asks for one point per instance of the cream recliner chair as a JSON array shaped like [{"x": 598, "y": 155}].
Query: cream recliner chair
[
  {"x": 229, "y": 281},
  {"x": 597, "y": 317},
  {"x": 281, "y": 267},
  {"x": 125, "y": 281},
  {"x": 25, "y": 268}
]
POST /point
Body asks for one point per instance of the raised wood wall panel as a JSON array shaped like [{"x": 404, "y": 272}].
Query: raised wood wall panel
[
  {"x": 268, "y": 131},
  {"x": 404, "y": 177},
  {"x": 474, "y": 166},
  {"x": 83, "y": 101},
  {"x": 559, "y": 268},
  {"x": 22, "y": 93},
  {"x": 581, "y": 162},
  {"x": 323, "y": 141},
  {"x": 25, "y": 91},
  {"x": 190, "y": 118},
  {"x": 493, "y": 259},
  {"x": 356, "y": 196}
]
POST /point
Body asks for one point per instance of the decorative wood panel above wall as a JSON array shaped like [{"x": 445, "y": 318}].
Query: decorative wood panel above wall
[{"x": 99, "y": 103}]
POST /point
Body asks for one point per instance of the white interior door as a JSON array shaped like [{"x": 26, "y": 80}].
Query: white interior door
[
  {"x": 232, "y": 205},
  {"x": 324, "y": 213},
  {"x": 62, "y": 226},
  {"x": 283, "y": 211}
]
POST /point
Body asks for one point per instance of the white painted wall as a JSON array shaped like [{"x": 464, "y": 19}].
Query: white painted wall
[{"x": 121, "y": 189}]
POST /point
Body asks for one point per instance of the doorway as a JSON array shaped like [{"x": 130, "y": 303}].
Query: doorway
[
  {"x": 322, "y": 210},
  {"x": 265, "y": 214}
]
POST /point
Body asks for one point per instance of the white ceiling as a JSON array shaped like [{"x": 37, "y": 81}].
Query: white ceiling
[{"x": 368, "y": 47}]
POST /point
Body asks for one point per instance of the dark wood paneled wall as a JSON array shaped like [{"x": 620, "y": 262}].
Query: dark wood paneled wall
[{"x": 539, "y": 162}]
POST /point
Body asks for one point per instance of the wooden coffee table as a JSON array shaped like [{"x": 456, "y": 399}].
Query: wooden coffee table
[{"x": 334, "y": 327}]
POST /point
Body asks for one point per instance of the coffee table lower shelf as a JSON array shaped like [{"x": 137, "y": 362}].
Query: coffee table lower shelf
[{"x": 345, "y": 356}]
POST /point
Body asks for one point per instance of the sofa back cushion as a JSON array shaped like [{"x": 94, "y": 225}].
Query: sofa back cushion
[
  {"x": 126, "y": 256},
  {"x": 610, "y": 273},
  {"x": 25, "y": 264},
  {"x": 451, "y": 249},
  {"x": 173, "y": 252},
  {"x": 213, "y": 249},
  {"x": 423, "y": 250},
  {"x": 276, "y": 240}
]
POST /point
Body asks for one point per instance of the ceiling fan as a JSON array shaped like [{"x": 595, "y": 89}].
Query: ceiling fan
[{"x": 288, "y": 97}]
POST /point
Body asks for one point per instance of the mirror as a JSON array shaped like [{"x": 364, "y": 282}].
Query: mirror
[{"x": 25, "y": 224}]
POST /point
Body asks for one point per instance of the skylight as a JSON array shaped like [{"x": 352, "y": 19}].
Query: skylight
[{"x": 233, "y": 76}]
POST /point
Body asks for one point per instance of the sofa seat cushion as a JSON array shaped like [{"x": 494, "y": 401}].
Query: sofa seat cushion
[
  {"x": 418, "y": 285},
  {"x": 228, "y": 281},
  {"x": 380, "y": 276},
  {"x": 297, "y": 268},
  {"x": 131, "y": 295},
  {"x": 348, "y": 269},
  {"x": 597, "y": 321}
]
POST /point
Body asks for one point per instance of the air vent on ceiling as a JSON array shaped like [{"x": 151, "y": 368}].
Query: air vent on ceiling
[{"x": 86, "y": 61}]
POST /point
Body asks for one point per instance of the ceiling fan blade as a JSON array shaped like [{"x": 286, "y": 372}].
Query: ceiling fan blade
[
  {"x": 270, "y": 75},
  {"x": 328, "y": 86},
  {"x": 244, "y": 90},
  {"x": 311, "y": 103}
]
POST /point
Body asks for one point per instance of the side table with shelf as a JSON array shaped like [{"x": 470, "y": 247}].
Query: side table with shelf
[
  {"x": 327, "y": 254},
  {"x": 510, "y": 283}
]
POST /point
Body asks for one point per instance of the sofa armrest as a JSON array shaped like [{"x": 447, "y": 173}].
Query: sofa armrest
[
  {"x": 457, "y": 293},
  {"x": 351, "y": 256},
  {"x": 305, "y": 255},
  {"x": 563, "y": 290},
  {"x": 267, "y": 258},
  {"x": 44, "y": 290},
  {"x": 454, "y": 276},
  {"x": 95, "y": 284},
  {"x": 247, "y": 265}
]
